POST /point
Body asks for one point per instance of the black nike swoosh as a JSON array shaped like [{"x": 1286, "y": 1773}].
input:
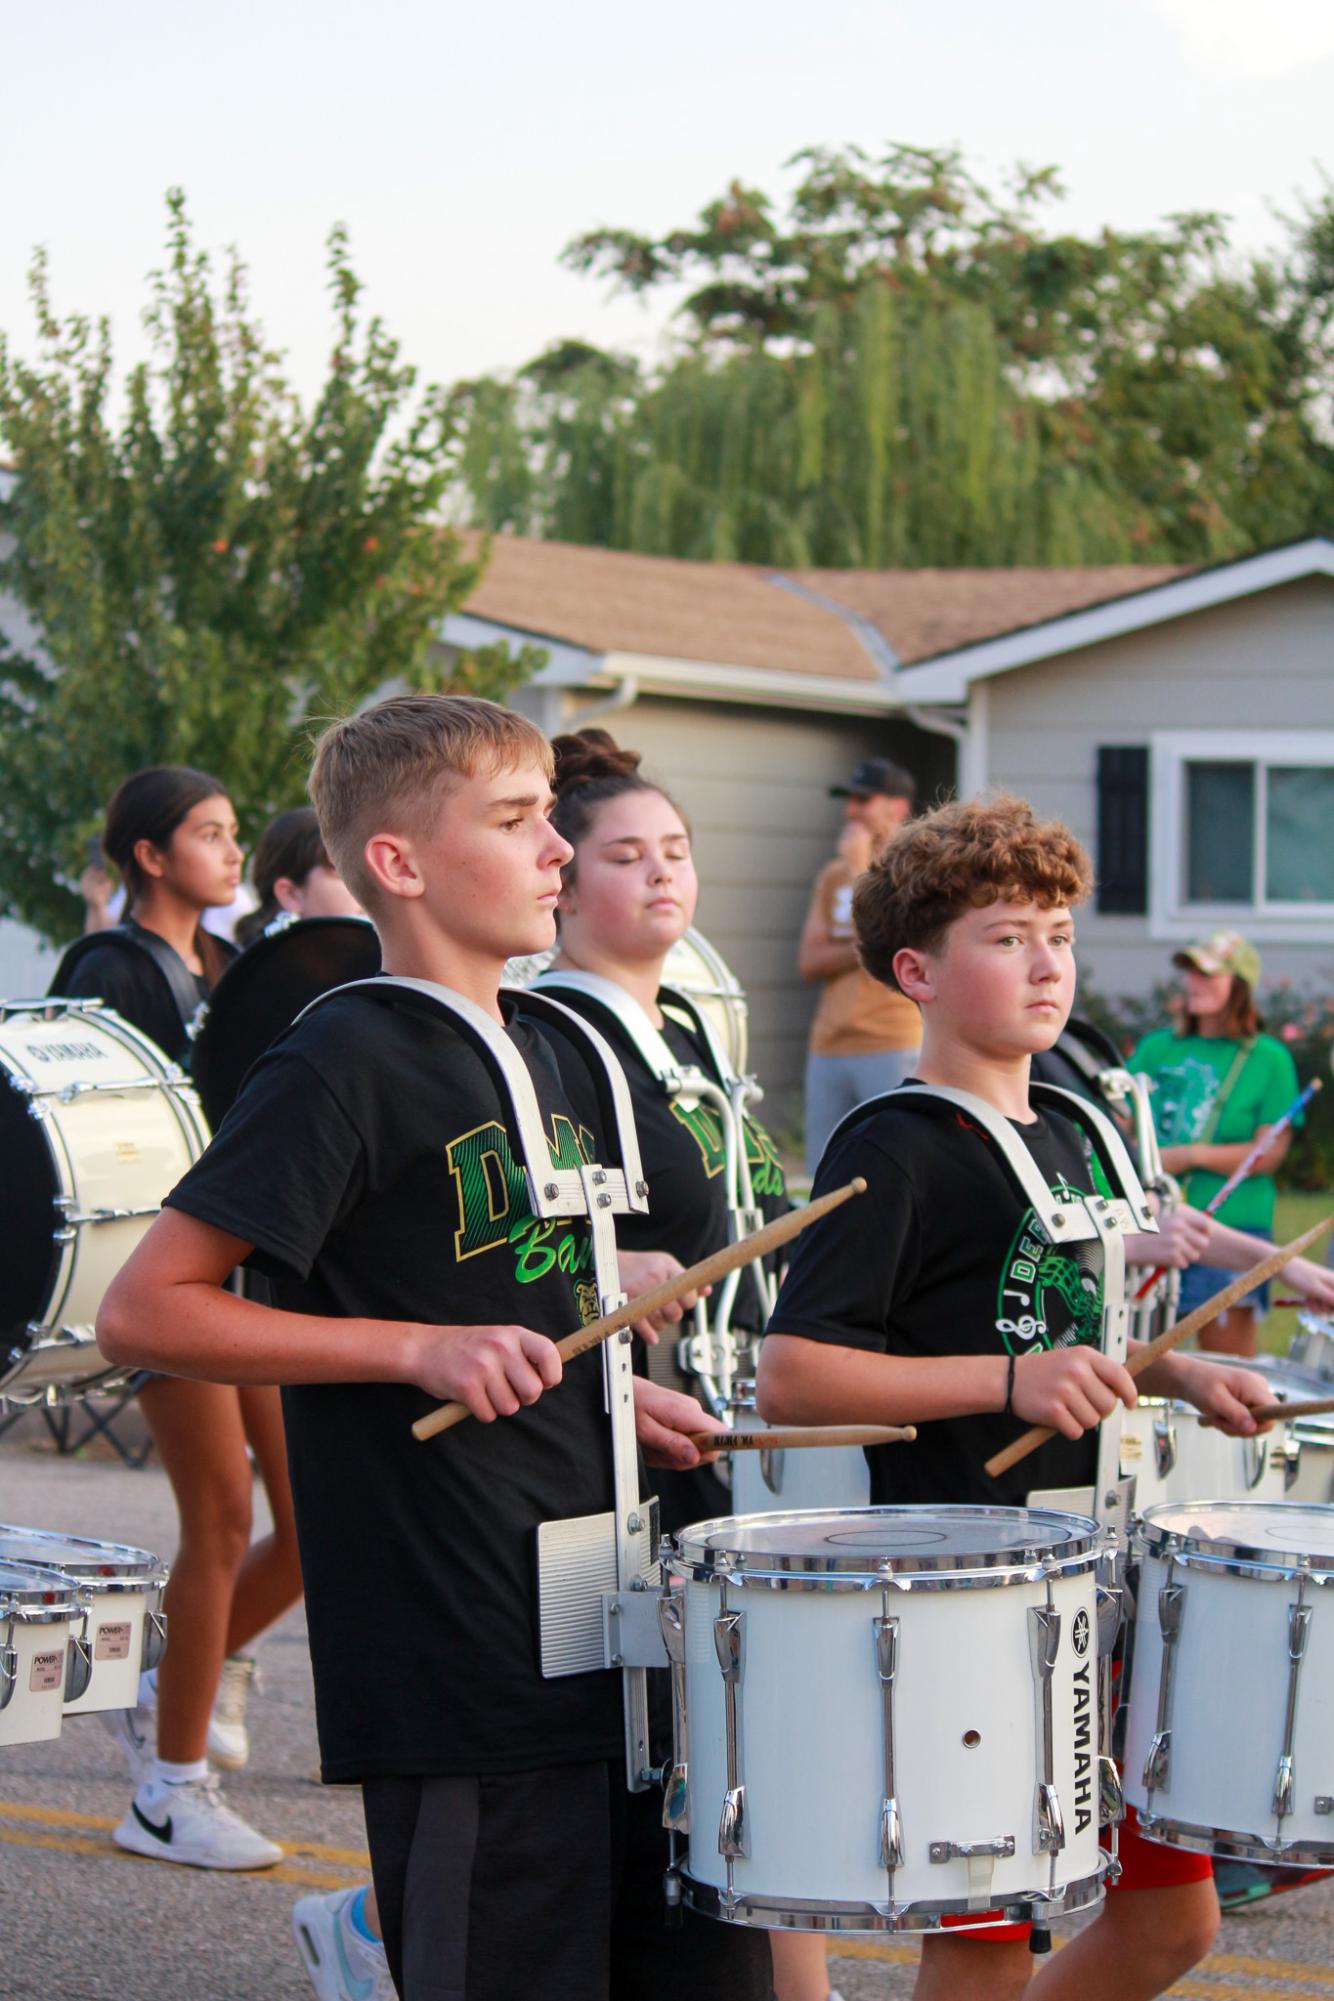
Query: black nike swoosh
[{"x": 163, "y": 1833}]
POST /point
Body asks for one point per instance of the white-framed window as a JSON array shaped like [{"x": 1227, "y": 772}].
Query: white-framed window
[{"x": 1242, "y": 833}]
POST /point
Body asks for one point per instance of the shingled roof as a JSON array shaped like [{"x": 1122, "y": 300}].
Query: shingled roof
[{"x": 609, "y": 600}]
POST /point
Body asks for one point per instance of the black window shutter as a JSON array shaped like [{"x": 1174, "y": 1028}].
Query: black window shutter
[{"x": 1123, "y": 829}]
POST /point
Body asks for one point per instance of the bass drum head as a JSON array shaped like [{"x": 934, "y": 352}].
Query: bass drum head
[
  {"x": 693, "y": 967},
  {"x": 261, "y": 994},
  {"x": 30, "y": 1252}
]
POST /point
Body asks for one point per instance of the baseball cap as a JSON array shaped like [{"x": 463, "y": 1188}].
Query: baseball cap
[
  {"x": 1225, "y": 952},
  {"x": 876, "y": 774}
]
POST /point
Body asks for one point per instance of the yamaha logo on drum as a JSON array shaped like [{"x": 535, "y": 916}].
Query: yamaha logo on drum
[{"x": 1079, "y": 1632}]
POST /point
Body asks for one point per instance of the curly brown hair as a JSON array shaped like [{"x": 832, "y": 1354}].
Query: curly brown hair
[{"x": 962, "y": 857}]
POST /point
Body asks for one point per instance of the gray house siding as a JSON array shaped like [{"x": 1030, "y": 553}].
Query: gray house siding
[{"x": 1264, "y": 663}]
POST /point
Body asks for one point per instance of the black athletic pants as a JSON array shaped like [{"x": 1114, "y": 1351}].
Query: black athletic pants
[{"x": 542, "y": 1886}]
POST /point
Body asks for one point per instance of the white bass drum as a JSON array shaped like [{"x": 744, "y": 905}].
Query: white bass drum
[{"x": 96, "y": 1126}]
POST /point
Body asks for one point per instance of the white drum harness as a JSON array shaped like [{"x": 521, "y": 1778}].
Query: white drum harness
[{"x": 715, "y": 1354}]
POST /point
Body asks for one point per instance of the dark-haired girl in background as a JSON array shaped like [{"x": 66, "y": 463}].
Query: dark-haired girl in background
[
  {"x": 629, "y": 894},
  {"x": 172, "y": 835},
  {"x": 292, "y": 873}
]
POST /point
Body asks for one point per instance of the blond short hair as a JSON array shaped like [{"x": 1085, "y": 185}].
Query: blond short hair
[
  {"x": 394, "y": 766},
  {"x": 963, "y": 856}
]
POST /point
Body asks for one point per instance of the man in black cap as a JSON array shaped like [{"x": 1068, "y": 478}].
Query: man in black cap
[{"x": 864, "y": 1039}]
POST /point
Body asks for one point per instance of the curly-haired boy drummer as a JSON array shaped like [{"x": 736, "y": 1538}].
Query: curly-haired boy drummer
[{"x": 902, "y": 1307}]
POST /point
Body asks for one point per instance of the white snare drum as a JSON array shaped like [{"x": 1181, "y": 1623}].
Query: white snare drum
[
  {"x": 886, "y": 1716},
  {"x": 1175, "y": 1457},
  {"x": 824, "y": 1477},
  {"x": 122, "y": 1588},
  {"x": 693, "y": 967},
  {"x": 96, "y": 1126},
  {"x": 41, "y": 1612},
  {"x": 1230, "y": 1738},
  {"x": 1312, "y": 1346}
]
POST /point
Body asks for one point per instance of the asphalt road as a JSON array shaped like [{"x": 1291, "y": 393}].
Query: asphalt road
[{"x": 79, "y": 1921}]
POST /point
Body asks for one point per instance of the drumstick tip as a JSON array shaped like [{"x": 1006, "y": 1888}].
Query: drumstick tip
[{"x": 858, "y": 1184}]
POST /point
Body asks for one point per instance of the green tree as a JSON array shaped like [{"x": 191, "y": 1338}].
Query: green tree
[
  {"x": 897, "y": 367},
  {"x": 209, "y": 569}
]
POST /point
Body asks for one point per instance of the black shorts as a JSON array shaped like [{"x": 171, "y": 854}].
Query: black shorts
[{"x": 542, "y": 1884}]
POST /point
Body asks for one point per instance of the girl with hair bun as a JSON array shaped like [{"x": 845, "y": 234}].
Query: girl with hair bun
[
  {"x": 172, "y": 835},
  {"x": 629, "y": 894}
]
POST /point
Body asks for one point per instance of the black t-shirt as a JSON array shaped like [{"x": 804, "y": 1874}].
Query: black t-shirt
[
  {"x": 683, "y": 1155},
  {"x": 940, "y": 1257},
  {"x": 123, "y": 975},
  {"x": 367, "y": 1159}
]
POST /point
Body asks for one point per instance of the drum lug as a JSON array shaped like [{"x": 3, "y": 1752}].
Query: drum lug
[
  {"x": 1164, "y": 1443},
  {"x": 1171, "y": 1605},
  {"x": 155, "y": 1641},
  {"x": 885, "y": 1632},
  {"x": 1111, "y": 1799},
  {"x": 1299, "y": 1632},
  {"x": 78, "y": 1664},
  {"x": 676, "y": 1776},
  {"x": 891, "y": 1835},
  {"x": 1291, "y": 1453},
  {"x": 9, "y": 1674},
  {"x": 729, "y": 1632},
  {"x": 1048, "y": 1821},
  {"x": 771, "y": 1469},
  {"x": 733, "y": 1833}
]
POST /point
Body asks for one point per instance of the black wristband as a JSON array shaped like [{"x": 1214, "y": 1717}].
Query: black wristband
[{"x": 1009, "y": 1388}]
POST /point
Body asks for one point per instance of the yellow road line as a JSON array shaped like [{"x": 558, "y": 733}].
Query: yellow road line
[
  {"x": 104, "y": 1851},
  {"x": 1268, "y": 1969}
]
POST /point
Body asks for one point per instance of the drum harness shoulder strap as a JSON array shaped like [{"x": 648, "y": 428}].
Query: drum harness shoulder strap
[
  {"x": 588, "y": 1564},
  {"x": 147, "y": 944},
  {"x": 1108, "y": 1219},
  {"x": 713, "y": 1353}
]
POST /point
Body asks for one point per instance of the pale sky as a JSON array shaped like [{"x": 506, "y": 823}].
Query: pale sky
[{"x": 464, "y": 145}]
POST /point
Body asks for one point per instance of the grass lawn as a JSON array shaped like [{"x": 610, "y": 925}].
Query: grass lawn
[{"x": 1296, "y": 1212}]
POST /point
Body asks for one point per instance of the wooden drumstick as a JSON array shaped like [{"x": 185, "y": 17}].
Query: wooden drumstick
[
  {"x": 707, "y": 1272},
  {"x": 1144, "y": 1358},
  {"x": 795, "y": 1437},
  {"x": 1263, "y": 1413}
]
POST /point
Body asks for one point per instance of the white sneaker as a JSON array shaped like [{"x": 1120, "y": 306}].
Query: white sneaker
[
  {"x": 135, "y": 1730},
  {"x": 343, "y": 1966},
  {"x": 190, "y": 1823},
  {"x": 228, "y": 1738}
]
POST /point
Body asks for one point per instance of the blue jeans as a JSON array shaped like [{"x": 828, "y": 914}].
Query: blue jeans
[
  {"x": 834, "y": 1084},
  {"x": 1201, "y": 1282}
]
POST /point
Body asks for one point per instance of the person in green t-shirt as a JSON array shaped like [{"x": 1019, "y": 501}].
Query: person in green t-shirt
[{"x": 1219, "y": 1084}]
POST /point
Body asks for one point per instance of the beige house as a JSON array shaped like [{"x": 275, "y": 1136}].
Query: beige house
[{"x": 1183, "y": 722}]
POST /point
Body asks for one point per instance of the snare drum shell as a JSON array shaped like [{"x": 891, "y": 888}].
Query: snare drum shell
[
  {"x": 966, "y": 1737},
  {"x": 36, "y": 1708},
  {"x": 822, "y": 1477},
  {"x": 1229, "y": 1696},
  {"x": 1174, "y": 1457}
]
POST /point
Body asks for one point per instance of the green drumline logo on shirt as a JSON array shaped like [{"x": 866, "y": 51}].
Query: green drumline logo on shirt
[
  {"x": 494, "y": 1209},
  {"x": 705, "y": 1128},
  {"x": 1183, "y": 1098},
  {"x": 1050, "y": 1295}
]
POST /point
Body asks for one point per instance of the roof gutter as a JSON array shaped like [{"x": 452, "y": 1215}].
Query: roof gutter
[{"x": 623, "y": 696}]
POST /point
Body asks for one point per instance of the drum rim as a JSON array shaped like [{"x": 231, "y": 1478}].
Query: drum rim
[
  {"x": 132, "y": 1569},
  {"x": 1233, "y": 1844},
  {"x": 920, "y": 1914},
  {"x": 691, "y": 1550},
  {"x": 42, "y": 1599},
  {"x": 1158, "y": 1540}
]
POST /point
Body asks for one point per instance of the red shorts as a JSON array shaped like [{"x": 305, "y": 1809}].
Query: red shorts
[{"x": 1145, "y": 1865}]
